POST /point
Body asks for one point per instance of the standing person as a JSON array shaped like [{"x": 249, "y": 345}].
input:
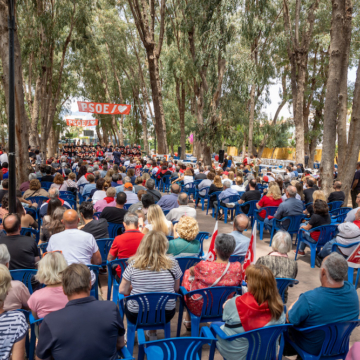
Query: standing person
[
  {"x": 355, "y": 187},
  {"x": 96, "y": 331},
  {"x": 4, "y": 157}
]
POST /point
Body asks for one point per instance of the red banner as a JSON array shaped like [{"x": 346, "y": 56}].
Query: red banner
[
  {"x": 99, "y": 108},
  {"x": 79, "y": 122},
  {"x": 354, "y": 259}
]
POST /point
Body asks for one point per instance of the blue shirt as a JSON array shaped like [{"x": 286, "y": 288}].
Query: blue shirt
[
  {"x": 168, "y": 202},
  {"x": 226, "y": 193},
  {"x": 242, "y": 243},
  {"x": 98, "y": 322},
  {"x": 322, "y": 306},
  {"x": 87, "y": 189}
]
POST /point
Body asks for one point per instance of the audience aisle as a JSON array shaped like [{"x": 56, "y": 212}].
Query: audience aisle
[{"x": 308, "y": 277}]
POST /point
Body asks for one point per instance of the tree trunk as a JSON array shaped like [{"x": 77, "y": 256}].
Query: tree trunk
[
  {"x": 99, "y": 134},
  {"x": 273, "y": 152},
  {"x": 180, "y": 95},
  {"x": 21, "y": 118},
  {"x": 244, "y": 147},
  {"x": 251, "y": 118},
  {"x": 207, "y": 155},
  {"x": 34, "y": 134},
  {"x": 339, "y": 47}
]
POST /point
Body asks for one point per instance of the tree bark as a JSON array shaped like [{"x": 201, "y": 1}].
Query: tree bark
[
  {"x": 180, "y": 96},
  {"x": 339, "y": 47},
  {"x": 34, "y": 134},
  {"x": 21, "y": 118},
  {"x": 251, "y": 118}
]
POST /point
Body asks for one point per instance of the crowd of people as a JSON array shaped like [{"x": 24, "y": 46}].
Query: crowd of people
[{"x": 123, "y": 191}]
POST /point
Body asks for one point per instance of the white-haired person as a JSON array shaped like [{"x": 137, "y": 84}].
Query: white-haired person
[
  {"x": 51, "y": 297},
  {"x": 18, "y": 294},
  {"x": 13, "y": 325},
  {"x": 184, "y": 243},
  {"x": 277, "y": 260}
]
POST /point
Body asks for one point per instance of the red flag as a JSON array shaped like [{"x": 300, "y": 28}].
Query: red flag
[
  {"x": 211, "y": 256},
  {"x": 100, "y": 108},
  {"x": 354, "y": 259},
  {"x": 251, "y": 251}
]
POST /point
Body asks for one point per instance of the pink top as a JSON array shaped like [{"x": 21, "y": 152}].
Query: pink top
[
  {"x": 101, "y": 204},
  {"x": 17, "y": 296},
  {"x": 47, "y": 300}
]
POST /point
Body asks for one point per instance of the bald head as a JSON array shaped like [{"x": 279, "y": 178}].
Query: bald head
[
  {"x": 12, "y": 224},
  {"x": 291, "y": 191},
  {"x": 70, "y": 219},
  {"x": 337, "y": 185},
  {"x": 175, "y": 188},
  {"x": 241, "y": 222},
  {"x": 53, "y": 193}
]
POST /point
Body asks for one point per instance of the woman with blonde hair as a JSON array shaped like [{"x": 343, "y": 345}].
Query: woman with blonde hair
[
  {"x": 157, "y": 221},
  {"x": 231, "y": 175},
  {"x": 13, "y": 324},
  {"x": 272, "y": 198},
  {"x": 261, "y": 306},
  {"x": 50, "y": 298},
  {"x": 217, "y": 185},
  {"x": 58, "y": 183},
  {"x": 151, "y": 270},
  {"x": 145, "y": 177},
  {"x": 35, "y": 190},
  {"x": 184, "y": 243}
]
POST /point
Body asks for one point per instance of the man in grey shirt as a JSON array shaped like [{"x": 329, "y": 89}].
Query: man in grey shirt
[
  {"x": 241, "y": 222},
  {"x": 183, "y": 209}
]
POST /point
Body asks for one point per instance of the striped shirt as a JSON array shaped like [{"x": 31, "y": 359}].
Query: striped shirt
[
  {"x": 13, "y": 328},
  {"x": 146, "y": 281}
]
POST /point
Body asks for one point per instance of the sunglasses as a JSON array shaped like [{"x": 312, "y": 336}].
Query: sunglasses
[{"x": 49, "y": 252}]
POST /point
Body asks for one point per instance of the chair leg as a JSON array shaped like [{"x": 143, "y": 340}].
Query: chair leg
[
  {"x": 115, "y": 291},
  {"x": 167, "y": 331},
  {"x": 225, "y": 215},
  {"x": 32, "y": 343},
  {"x": 131, "y": 329},
  {"x": 261, "y": 228},
  {"x": 312, "y": 255},
  {"x": 350, "y": 275},
  {"x": 181, "y": 310},
  {"x": 357, "y": 278},
  {"x": 195, "y": 325},
  {"x": 271, "y": 234},
  {"x": 202, "y": 204}
]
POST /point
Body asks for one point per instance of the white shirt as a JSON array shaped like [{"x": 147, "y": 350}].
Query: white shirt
[
  {"x": 4, "y": 158},
  {"x": 131, "y": 198},
  {"x": 297, "y": 196},
  {"x": 188, "y": 179},
  {"x": 77, "y": 246},
  {"x": 238, "y": 187},
  {"x": 127, "y": 163},
  {"x": 98, "y": 195}
]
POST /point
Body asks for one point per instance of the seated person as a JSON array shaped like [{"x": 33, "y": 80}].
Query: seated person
[
  {"x": 272, "y": 198},
  {"x": 98, "y": 336},
  {"x": 184, "y": 209},
  {"x": 185, "y": 243},
  {"x": 109, "y": 200},
  {"x": 261, "y": 306},
  {"x": 317, "y": 195},
  {"x": 13, "y": 325},
  {"x": 228, "y": 191},
  {"x": 335, "y": 300},
  {"x": 168, "y": 202},
  {"x": 348, "y": 233},
  {"x": 34, "y": 190},
  {"x": 278, "y": 260},
  {"x": 337, "y": 194},
  {"x": 318, "y": 218},
  {"x": 90, "y": 186},
  {"x": 18, "y": 294},
  {"x": 241, "y": 223},
  {"x": 216, "y": 186},
  {"x": 205, "y": 274},
  {"x": 249, "y": 195},
  {"x": 97, "y": 228},
  {"x": 115, "y": 215},
  {"x": 149, "y": 273},
  {"x": 125, "y": 245},
  {"x": 51, "y": 297},
  {"x": 206, "y": 183},
  {"x": 150, "y": 189},
  {"x": 157, "y": 221}
]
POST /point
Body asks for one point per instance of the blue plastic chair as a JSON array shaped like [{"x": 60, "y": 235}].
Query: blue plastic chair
[
  {"x": 306, "y": 205},
  {"x": 165, "y": 183},
  {"x": 251, "y": 211},
  {"x": 46, "y": 185},
  {"x": 293, "y": 225},
  {"x": 202, "y": 198},
  {"x": 113, "y": 229},
  {"x": 32, "y": 212},
  {"x": 229, "y": 199},
  {"x": 67, "y": 193},
  {"x": 216, "y": 193},
  {"x": 81, "y": 188},
  {"x": 186, "y": 263},
  {"x": 104, "y": 247},
  {"x": 25, "y": 276},
  {"x": 68, "y": 198},
  {"x": 201, "y": 236},
  {"x": 213, "y": 299},
  {"x": 95, "y": 288},
  {"x": 237, "y": 258},
  {"x": 327, "y": 233},
  {"x": 97, "y": 215},
  {"x": 339, "y": 211},
  {"x": 72, "y": 203},
  {"x": 262, "y": 342},
  {"x": 126, "y": 206},
  {"x": 189, "y": 188},
  {"x": 283, "y": 284},
  {"x": 151, "y": 315},
  {"x": 270, "y": 210},
  {"x": 33, "y": 233},
  {"x": 350, "y": 269},
  {"x": 170, "y": 237},
  {"x": 42, "y": 248},
  {"x": 336, "y": 342},
  {"x": 184, "y": 348},
  {"x": 38, "y": 199},
  {"x": 112, "y": 283},
  {"x": 335, "y": 205},
  {"x": 166, "y": 212}
]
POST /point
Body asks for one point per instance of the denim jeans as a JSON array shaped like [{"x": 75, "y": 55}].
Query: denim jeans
[
  {"x": 268, "y": 224},
  {"x": 307, "y": 237}
]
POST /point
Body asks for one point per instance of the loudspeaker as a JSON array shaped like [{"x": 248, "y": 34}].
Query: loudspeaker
[
  {"x": 221, "y": 156},
  {"x": 179, "y": 152}
]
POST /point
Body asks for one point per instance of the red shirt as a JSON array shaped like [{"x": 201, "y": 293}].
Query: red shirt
[
  {"x": 268, "y": 201},
  {"x": 125, "y": 246}
]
